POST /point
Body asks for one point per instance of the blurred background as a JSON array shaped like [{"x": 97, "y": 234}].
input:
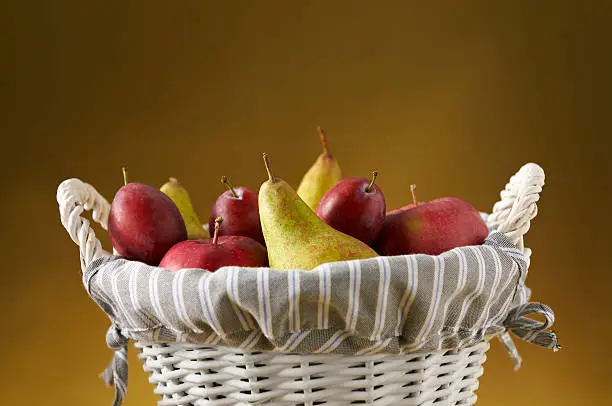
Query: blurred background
[{"x": 452, "y": 96}]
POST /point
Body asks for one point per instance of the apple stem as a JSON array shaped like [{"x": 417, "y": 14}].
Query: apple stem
[
  {"x": 413, "y": 191},
  {"x": 266, "y": 159},
  {"x": 125, "y": 175},
  {"x": 218, "y": 222},
  {"x": 323, "y": 140},
  {"x": 229, "y": 185},
  {"x": 374, "y": 176}
]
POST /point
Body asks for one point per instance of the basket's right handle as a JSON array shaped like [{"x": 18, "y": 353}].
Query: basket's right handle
[
  {"x": 512, "y": 215},
  {"x": 74, "y": 196}
]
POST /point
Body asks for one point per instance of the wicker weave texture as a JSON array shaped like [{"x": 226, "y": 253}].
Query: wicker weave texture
[{"x": 187, "y": 374}]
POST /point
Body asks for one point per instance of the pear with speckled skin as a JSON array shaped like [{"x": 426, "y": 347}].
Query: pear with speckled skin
[
  {"x": 321, "y": 176},
  {"x": 295, "y": 237},
  {"x": 179, "y": 195}
]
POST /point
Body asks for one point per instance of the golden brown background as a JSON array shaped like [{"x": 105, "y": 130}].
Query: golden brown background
[{"x": 454, "y": 96}]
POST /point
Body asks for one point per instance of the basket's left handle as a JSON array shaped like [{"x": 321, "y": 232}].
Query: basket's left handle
[{"x": 73, "y": 197}]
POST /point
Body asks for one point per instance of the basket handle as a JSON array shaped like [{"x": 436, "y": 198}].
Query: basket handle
[
  {"x": 513, "y": 213},
  {"x": 74, "y": 196}
]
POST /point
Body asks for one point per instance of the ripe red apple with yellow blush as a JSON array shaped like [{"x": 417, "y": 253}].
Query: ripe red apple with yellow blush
[
  {"x": 143, "y": 222},
  {"x": 214, "y": 253},
  {"x": 431, "y": 227},
  {"x": 240, "y": 212},
  {"x": 354, "y": 206}
]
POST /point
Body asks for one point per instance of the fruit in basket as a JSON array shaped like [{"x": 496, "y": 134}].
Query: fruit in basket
[
  {"x": 295, "y": 237},
  {"x": 238, "y": 207},
  {"x": 214, "y": 253},
  {"x": 144, "y": 223},
  {"x": 179, "y": 195},
  {"x": 354, "y": 206},
  {"x": 431, "y": 227},
  {"x": 321, "y": 176}
]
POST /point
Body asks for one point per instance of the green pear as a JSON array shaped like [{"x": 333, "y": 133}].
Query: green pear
[
  {"x": 178, "y": 194},
  {"x": 321, "y": 176},
  {"x": 295, "y": 237}
]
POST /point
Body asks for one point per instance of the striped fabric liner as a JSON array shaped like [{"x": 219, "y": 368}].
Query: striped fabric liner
[{"x": 385, "y": 304}]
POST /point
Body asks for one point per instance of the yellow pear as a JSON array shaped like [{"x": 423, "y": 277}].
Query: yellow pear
[
  {"x": 178, "y": 194},
  {"x": 321, "y": 176},
  {"x": 295, "y": 237}
]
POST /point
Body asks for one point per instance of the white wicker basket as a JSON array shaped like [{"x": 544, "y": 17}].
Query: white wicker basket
[
  {"x": 188, "y": 374},
  {"x": 200, "y": 375}
]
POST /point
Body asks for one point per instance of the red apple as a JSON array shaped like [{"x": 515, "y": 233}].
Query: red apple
[
  {"x": 431, "y": 228},
  {"x": 214, "y": 253},
  {"x": 144, "y": 223},
  {"x": 354, "y": 206},
  {"x": 240, "y": 212}
]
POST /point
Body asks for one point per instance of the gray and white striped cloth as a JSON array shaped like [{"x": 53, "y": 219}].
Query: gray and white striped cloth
[{"x": 386, "y": 304}]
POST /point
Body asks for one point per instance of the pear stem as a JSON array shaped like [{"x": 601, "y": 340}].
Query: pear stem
[
  {"x": 174, "y": 180},
  {"x": 125, "y": 175},
  {"x": 228, "y": 185},
  {"x": 218, "y": 222},
  {"x": 413, "y": 191},
  {"x": 323, "y": 140},
  {"x": 266, "y": 159},
  {"x": 374, "y": 176}
]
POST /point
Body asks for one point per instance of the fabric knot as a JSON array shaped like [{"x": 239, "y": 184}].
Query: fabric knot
[
  {"x": 114, "y": 339},
  {"x": 530, "y": 330},
  {"x": 116, "y": 373}
]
